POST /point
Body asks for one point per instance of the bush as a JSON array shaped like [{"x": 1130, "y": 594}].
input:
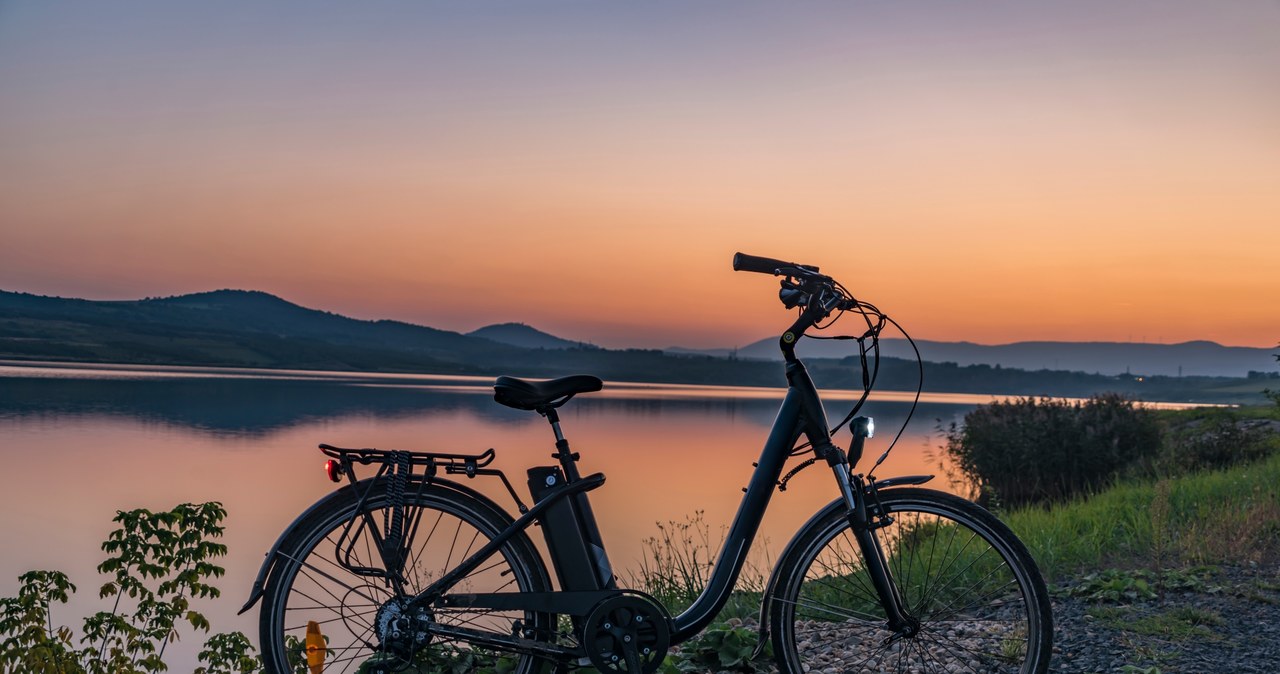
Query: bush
[
  {"x": 1032, "y": 450},
  {"x": 1212, "y": 442},
  {"x": 158, "y": 563}
]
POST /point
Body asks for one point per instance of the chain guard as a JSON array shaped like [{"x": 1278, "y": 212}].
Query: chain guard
[{"x": 627, "y": 634}]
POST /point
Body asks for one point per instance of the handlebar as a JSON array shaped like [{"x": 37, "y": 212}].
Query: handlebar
[
  {"x": 768, "y": 265},
  {"x": 818, "y": 296},
  {"x": 802, "y": 286}
]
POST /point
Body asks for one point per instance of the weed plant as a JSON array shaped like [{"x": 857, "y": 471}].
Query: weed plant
[
  {"x": 723, "y": 647},
  {"x": 677, "y": 565}
]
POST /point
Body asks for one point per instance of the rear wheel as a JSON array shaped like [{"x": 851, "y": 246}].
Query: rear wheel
[
  {"x": 321, "y": 613},
  {"x": 974, "y": 596}
]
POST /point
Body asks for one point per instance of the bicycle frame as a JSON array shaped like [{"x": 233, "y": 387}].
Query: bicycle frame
[
  {"x": 577, "y": 551},
  {"x": 728, "y": 565},
  {"x": 800, "y": 414},
  {"x": 795, "y": 417},
  {"x": 832, "y": 582}
]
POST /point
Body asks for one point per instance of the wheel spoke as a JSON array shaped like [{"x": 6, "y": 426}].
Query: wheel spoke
[
  {"x": 965, "y": 580},
  {"x": 317, "y": 579}
]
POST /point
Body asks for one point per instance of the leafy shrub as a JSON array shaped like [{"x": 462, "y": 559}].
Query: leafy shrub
[
  {"x": 158, "y": 562},
  {"x": 1213, "y": 443},
  {"x": 723, "y": 647},
  {"x": 1128, "y": 585},
  {"x": 228, "y": 653},
  {"x": 1033, "y": 450}
]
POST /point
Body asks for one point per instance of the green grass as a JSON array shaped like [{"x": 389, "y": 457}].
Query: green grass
[
  {"x": 1240, "y": 413},
  {"x": 1225, "y": 516},
  {"x": 1175, "y": 624}
]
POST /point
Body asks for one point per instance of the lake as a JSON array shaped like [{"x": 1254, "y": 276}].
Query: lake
[{"x": 81, "y": 442}]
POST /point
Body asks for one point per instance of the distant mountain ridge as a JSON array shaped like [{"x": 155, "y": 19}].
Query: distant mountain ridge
[
  {"x": 526, "y": 336},
  {"x": 243, "y": 326},
  {"x": 1195, "y": 358},
  {"x": 240, "y": 328}
]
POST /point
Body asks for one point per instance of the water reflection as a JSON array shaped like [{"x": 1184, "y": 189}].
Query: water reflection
[
  {"x": 257, "y": 406},
  {"x": 243, "y": 406}
]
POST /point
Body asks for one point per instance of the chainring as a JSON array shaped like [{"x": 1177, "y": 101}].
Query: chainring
[{"x": 628, "y": 633}]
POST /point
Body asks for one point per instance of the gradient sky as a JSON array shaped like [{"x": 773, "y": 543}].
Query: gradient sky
[{"x": 987, "y": 171}]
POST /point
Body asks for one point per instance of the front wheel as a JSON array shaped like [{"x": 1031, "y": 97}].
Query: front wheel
[{"x": 975, "y": 598}]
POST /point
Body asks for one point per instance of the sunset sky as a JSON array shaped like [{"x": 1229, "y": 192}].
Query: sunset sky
[{"x": 985, "y": 171}]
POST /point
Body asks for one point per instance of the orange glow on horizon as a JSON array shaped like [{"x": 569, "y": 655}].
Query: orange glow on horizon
[{"x": 1031, "y": 175}]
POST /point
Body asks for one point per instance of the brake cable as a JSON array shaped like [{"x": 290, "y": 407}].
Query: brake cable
[
  {"x": 914, "y": 403},
  {"x": 869, "y": 376}
]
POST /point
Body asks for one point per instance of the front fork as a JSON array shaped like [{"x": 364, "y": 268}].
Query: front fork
[{"x": 855, "y": 492}]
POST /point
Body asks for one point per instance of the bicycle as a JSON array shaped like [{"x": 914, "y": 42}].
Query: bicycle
[{"x": 408, "y": 571}]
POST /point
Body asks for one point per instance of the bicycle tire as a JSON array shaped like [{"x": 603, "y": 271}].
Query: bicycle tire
[
  {"x": 308, "y": 584},
  {"x": 979, "y": 598}
]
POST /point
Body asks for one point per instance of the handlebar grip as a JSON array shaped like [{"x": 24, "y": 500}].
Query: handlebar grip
[{"x": 765, "y": 265}]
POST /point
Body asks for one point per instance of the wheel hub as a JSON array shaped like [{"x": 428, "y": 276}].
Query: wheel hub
[{"x": 403, "y": 628}]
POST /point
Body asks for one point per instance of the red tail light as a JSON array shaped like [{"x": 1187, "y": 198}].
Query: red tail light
[{"x": 334, "y": 470}]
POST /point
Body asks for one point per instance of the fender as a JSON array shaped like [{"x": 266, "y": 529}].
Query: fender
[
  {"x": 837, "y": 505},
  {"x": 259, "y": 583}
]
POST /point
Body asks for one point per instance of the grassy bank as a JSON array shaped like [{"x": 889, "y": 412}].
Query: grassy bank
[
  {"x": 1192, "y": 516},
  {"x": 1224, "y": 516}
]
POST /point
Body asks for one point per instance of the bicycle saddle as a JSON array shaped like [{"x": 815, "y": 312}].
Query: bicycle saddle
[{"x": 533, "y": 395}]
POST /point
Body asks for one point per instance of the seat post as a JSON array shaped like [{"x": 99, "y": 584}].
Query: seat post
[
  {"x": 568, "y": 460},
  {"x": 554, "y": 419}
]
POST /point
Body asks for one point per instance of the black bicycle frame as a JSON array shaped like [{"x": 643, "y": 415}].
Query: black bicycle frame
[
  {"x": 801, "y": 413},
  {"x": 786, "y": 430}
]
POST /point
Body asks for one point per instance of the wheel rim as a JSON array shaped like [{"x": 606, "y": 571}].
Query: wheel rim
[
  {"x": 367, "y": 625},
  {"x": 970, "y": 605}
]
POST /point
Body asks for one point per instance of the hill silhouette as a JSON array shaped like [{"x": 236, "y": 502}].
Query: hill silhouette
[
  {"x": 525, "y": 336},
  {"x": 225, "y": 327},
  {"x": 1195, "y": 358},
  {"x": 239, "y": 328}
]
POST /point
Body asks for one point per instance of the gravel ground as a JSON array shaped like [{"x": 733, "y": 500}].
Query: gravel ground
[
  {"x": 1230, "y": 623},
  {"x": 1239, "y": 612}
]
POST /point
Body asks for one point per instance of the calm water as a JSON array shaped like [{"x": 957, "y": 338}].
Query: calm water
[{"x": 80, "y": 443}]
